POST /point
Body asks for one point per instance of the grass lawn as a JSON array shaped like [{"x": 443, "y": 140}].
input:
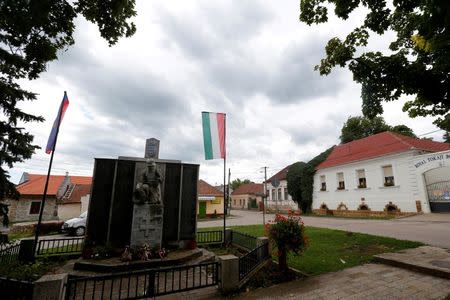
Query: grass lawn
[{"x": 332, "y": 250}]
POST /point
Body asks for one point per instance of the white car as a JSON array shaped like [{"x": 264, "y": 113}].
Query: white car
[{"x": 75, "y": 226}]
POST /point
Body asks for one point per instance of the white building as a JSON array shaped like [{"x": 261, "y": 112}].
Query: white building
[
  {"x": 277, "y": 192},
  {"x": 385, "y": 172}
]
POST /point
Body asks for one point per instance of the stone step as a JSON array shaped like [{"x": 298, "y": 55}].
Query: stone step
[{"x": 429, "y": 260}]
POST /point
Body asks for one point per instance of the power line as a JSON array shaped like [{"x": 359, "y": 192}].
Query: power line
[{"x": 431, "y": 132}]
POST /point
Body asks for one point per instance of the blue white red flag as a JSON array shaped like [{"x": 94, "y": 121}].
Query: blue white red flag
[{"x": 53, "y": 134}]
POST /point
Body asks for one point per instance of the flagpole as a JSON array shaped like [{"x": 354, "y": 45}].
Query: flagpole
[
  {"x": 44, "y": 196},
  {"x": 224, "y": 173}
]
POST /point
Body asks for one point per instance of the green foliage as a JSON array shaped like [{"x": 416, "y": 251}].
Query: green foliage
[
  {"x": 238, "y": 182},
  {"x": 300, "y": 180},
  {"x": 358, "y": 127},
  {"x": 446, "y": 137},
  {"x": 294, "y": 179},
  {"x": 31, "y": 34},
  {"x": 287, "y": 234},
  {"x": 30, "y": 271},
  {"x": 417, "y": 61}
]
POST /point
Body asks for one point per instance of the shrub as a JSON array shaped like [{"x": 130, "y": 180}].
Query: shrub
[
  {"x": 48, "y": 227},
  {"x": 287, "y": 234}
]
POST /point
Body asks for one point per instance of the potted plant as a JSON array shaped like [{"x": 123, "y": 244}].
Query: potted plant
[{"x": 287, "y": 234}]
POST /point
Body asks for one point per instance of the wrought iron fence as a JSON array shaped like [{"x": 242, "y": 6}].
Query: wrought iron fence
[
  {"x": 9, "y": 252},
  {"x": 12, "y": 289},
  {"x": 251, "y": 260},
  {"x": 209, "y": 237},
  {"x": 439, "y": 191},
  {"x": 145, "y": 283},
  {"x": 243, "y": 240},
  {"x": 60, "y": 246}
]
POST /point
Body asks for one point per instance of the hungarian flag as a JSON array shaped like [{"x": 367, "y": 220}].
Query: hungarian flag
[
  {"x": 54, "y": 133},
  {"x": 214, "y": 134}
]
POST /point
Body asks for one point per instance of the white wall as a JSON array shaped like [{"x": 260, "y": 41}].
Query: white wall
[
  {"x": 85, "y": 202},
  {"x": 376, "y": 195},
  {"x": 285, "y": 199}
]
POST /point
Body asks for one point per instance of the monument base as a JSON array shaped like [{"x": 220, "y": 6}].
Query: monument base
[
  {"x": 114, "y": 264},
  {"x": 147, "y": 225}
]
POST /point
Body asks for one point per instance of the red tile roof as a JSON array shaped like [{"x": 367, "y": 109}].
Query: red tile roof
[
  {"x": 281, "y": 175},
  {"x": 249, "y": 188},
  {"x": 36, "y": 183},
  {"x": 79, "y": 190},
  {"x": 205, "y": 189},
  {"x": 377, "y": 145}
]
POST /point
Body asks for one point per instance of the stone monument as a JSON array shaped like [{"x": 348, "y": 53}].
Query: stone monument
[
  {"x": 148, "y": 209},
  {"x": 136, "y": 201}
]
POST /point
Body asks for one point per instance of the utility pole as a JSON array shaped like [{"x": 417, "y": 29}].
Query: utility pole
[
  {"x": 228, "y": 191},
  {"x": 265, "y": 196}
]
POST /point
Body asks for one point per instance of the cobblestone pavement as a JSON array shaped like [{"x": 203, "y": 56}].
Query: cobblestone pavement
[
  {"x": 370, "y": 281},
  {"x": 432, "y": 229}
]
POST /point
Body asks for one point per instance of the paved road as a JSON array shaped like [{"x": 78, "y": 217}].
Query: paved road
[{"x": 433, "y": 229}]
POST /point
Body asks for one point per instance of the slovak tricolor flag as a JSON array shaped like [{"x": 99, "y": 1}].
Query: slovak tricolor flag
[
  {"x": 214, "y": 134},
  {"x": 54, "y": 133}
]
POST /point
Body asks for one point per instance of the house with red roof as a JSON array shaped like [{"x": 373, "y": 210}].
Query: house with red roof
[
  {"x": 277, "y": 192},
  {"x": 60, "y": 189},
  {"x": 210, "y": 200},
  {"x": 248, "y": 196},
  {"x": 385, "y": 172}
]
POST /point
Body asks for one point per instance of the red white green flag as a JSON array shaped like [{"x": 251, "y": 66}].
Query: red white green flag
[{"x": 214, "y": 134}]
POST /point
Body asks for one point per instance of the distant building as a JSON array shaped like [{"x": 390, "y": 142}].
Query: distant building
[
  {"x": 74, "y": 202},
  {"x": 210, "y": 200},
  {"x": 385, "y": 172},
  {"x": 31, "y": 189},
  {"x": 278, "y": 196},
  {"x": 248, "y": 196}
]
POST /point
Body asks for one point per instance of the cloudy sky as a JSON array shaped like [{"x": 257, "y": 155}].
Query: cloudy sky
[{"x": 252, "y": 60}]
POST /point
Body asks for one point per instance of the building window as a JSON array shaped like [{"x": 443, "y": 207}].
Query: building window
[
  {"x": 286, "y": 194},
  {"x": 388, "y": 175},
  {"x": 273, "y": 195},
  {"x": 341, "y": 182},
  {"x": 234, "y": 201},
  {"x": 267, "y": 194},
  {"x": 361, "y": 174},
  {"x": 35, "y": 208},
  {"x": 323, "y": 183},
  {"x": 279, "y": 194}
]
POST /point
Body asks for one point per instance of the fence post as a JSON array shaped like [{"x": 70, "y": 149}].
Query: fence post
[
  {"x": 229, "y": 273},
  {"x": 259, "y": 242},
  {"x": 228, "y": 238},
  {"x": 50, "y": 287},
  {"x": 26, "y": 250}
]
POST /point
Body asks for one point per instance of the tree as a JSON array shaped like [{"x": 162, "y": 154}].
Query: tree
[
  {"x": 300, "y": 180},
  {"x": 31, "y": 34},
  {"x": 360, "y": 127},
  {"x": 238, "y": 182},
  {"x": 294, "y": 178},
  {"x": 446, "y": 137},
  {"x": 417, "y": 61},
  {"x": 404, "y": 130}
]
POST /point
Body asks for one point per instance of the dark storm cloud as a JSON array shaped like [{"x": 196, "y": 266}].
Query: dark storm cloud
[{"x": 222, "y": 53}]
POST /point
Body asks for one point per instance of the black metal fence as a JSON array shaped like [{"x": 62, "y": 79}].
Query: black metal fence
[
  {"x": 251, "y": 260},
  {"x": 145, "y": 283},
  {"x": 243, "y": 240},
  {"x": 9, "y": 252},
  {"x": 11, "y": 289},
  {"x": 60, "y": 246},
  {"x": 209, "y": 237}
]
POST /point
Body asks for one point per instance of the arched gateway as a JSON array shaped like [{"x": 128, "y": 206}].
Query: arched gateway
[{"x": 435, "y": 171}]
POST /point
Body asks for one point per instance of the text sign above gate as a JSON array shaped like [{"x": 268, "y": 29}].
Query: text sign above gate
[{"x": 437, "y": 157}]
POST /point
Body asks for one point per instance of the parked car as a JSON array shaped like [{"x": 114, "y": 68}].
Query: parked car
[{"x": 75, "y": 226}]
